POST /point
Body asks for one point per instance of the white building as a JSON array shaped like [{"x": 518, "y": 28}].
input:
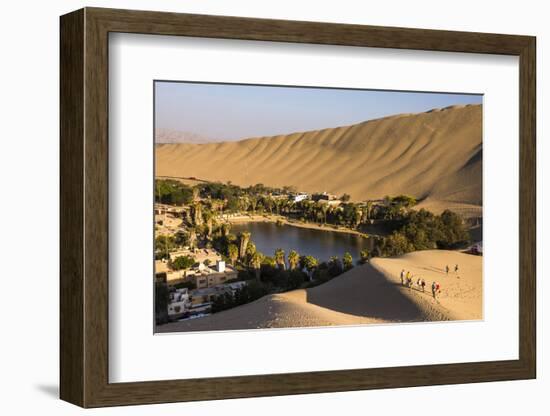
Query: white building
[
  {"x": 179, "y": 304},
  {"x": 300, "y": 197}
]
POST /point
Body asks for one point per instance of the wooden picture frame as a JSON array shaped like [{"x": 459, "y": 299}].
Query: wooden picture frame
[{"x": 84, "y": 207}]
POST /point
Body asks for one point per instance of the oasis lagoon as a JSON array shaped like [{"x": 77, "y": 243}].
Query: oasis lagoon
[{"x": 321, "y": 244}]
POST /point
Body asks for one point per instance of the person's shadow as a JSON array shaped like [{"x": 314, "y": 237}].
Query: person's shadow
[{"x": 51, "y": 390}]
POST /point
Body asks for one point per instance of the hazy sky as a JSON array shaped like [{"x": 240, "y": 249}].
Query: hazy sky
[{"x": 233, "y": 112}]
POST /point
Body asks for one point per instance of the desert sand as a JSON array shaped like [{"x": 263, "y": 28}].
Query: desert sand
[
  {"x": 368, "y": 294},
  {"x": 435, "y": 156}
]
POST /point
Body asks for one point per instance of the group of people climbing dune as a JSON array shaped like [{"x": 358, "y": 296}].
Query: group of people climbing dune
[{"x": 407, "y": 281}]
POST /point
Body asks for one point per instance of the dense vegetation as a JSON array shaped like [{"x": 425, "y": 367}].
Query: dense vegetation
[
  {"x": 220, "y": 198},
  {"x": 172, "y": 192},
  {"x": 423, "y": 230},
  {"x": 182, "y": 262},
  {"x": 402, "y": 229}
]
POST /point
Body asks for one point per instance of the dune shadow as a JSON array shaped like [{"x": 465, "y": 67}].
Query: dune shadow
[
  {"x": 433, "y": 269},
  {"x": 365, "y": 292}
]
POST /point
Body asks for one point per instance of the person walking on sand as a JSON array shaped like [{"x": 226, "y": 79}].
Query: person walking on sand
[
  {"x": 447, "y": 269},
  {"x": 409, "y": 282},
  {"x": 456, "y": 268},
  {"x": 433, "y": 289},
  {"x": 419, "y": 283},
  {"x": 402, "y": 277},
  {"x": 423, "y": 284}
]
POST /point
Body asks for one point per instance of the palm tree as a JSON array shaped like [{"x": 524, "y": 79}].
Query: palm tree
[
  {"x": 369, "y": 208},
  {"x": 280, "y": 258},
  {"x": 209, "y": 217},
  {"x": 348, "y": 261},
  {"x": 244, "y": 239},
  {"x": 268, "y": 203},
  {"x": 253, "y": 203},
  {"x": 233, "y": 253},
  {"x": 364, "y": 255},
  {"x": 217, "y": 207},
  {"x": 357, "y": 214},
  {"x": 318, "y": 211},
  {"x": 196, "y": 194},
  {"x": 335, "y": 265},
  {"x": 226, "y": 227},
  {"x": 243, "y": 203},
  {"x": 324, "y": 210},
  {"x": 250, "y": 250},
  {"x": 293, "y": 259},
  {"x": 310, "y": 264},
  {"x": 197, "y": 214},
  {"x": 256, "y": 262},
  {"x": 192, "y": 237},
  {"x": 278, "y": 204}
]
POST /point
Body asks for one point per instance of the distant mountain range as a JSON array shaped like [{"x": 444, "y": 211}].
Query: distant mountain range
[
  {"x": 435, "y": 156},
  {"x": 176, "y": 136}
]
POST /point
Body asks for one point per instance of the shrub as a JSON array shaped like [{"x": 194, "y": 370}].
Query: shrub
[
  {"x": 335, "y": 267},
  {"x": 296, "y": 278},
  {"x": 182, "y": 262},
  {"x": 423, "y": 230},
  {"x": 172, "y": 192},
  {"x": 364, "y": 256},
  {"x": 397, "y": 244},
  {"x": 347, "y": 261}
]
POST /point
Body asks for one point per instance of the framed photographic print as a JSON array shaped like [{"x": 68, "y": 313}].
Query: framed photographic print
[{"x": 255, "y": 207}]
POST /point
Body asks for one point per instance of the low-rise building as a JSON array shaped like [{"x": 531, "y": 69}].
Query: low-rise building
[
  {"x": 204, "y": 276},
  {"x": 178, "y": 304},
  {"x": 299, "y": 197},
  {"x": 208, "y": 271},
  {"x": 207, "y": 295},
  {"x": 205, "y": 280},
  {"x": 201, "y": 255},
  {"x": 176, "y": 276}
]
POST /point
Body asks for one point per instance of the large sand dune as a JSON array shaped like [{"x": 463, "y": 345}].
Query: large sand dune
[
  {"x": 365, "y": 295},
  {"x": 435, "y": 156}
]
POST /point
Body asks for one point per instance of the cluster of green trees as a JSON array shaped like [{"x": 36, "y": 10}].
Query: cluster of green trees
[
  {"x": 279, "y": 272},
  {"x": 182, "y": 262},
  {"x": 164, "y": 244},
  {"x": 273, "y": 277},
  {"x": 217, "y": 197},
  {"x": 249, "y": 293},
  {"x": 423, "y": 230},
  {"x": 407, "y": 230},
  {"x": 168, "y": 191}
]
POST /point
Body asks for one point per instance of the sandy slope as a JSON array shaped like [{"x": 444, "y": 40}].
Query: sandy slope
[
  {"x": 434, "y": 155},
  {"x": 368, "y": 294}
]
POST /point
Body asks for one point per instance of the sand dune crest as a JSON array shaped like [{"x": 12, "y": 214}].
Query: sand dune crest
[{"x": 434, "y": 155}]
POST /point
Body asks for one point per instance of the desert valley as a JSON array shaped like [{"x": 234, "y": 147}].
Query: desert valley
[{"x": 340, "y": 226}]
